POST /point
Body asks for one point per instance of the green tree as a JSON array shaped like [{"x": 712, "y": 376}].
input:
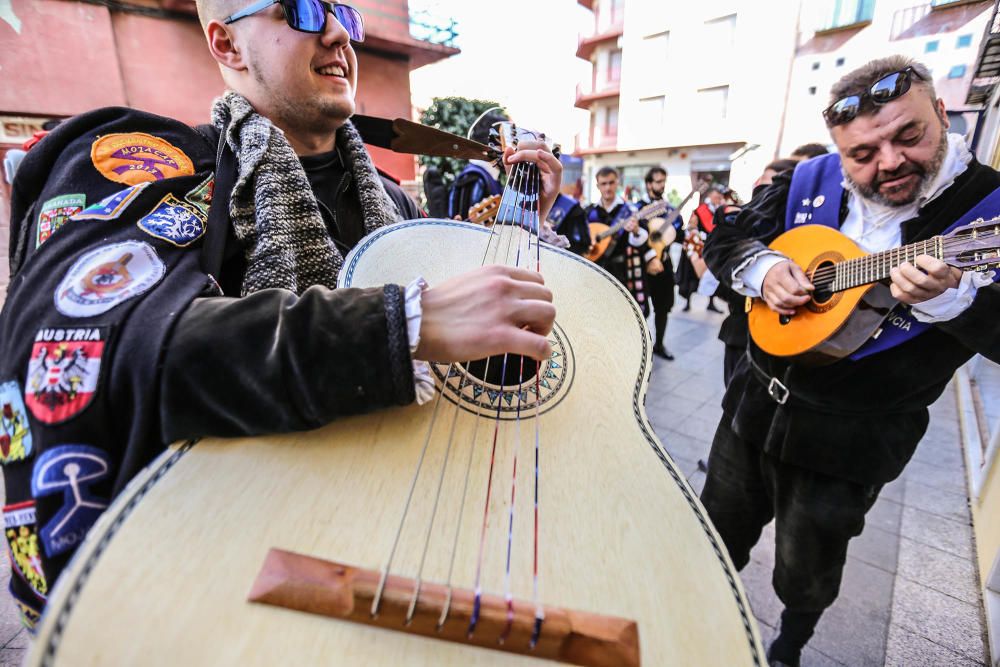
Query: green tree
[{"x": 455, "y": 115}]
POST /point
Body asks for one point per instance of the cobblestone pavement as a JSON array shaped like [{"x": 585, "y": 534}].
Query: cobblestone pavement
[{"x": 910, "y": 595}]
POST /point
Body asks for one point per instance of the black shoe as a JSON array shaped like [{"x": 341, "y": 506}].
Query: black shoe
[
  {"x": 711, "y": 307},
  {"x": 661, "y": 352},
  {"x": 687, "y": 307}
]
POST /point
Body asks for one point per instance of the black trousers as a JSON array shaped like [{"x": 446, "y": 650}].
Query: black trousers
[
  {"x": 816, "y": 516},
  {"x": 660, "y": 289}
]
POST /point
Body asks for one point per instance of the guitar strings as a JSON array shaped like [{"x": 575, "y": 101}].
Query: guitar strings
[{"x": 376, "y": 602}]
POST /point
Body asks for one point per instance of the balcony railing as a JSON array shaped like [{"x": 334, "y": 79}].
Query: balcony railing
[
  {"x": 587, "y": 43},
  {"x": 847, "y": 14},
  {"x": 586, "y": 96}
]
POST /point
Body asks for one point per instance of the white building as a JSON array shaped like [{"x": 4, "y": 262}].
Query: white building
[
  {"x": 839, "y": 36},
  {"x": 687, "y": 85}
]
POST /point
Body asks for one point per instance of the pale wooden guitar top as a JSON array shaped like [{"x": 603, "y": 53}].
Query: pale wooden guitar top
[{"x": 162, "y": 579}]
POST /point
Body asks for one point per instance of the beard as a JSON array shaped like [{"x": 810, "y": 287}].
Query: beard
[
  {"x": 927, "y": 172},
  {"x": 315, "y": 113}
]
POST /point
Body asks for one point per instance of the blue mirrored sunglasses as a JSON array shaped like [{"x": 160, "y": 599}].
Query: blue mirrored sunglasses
[
  {"x": 309, "y": 16},
  {"x": 883, "y": 91}
]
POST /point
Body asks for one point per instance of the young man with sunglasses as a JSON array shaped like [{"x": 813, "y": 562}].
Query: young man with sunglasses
[
  {"x": 812, "y": 446},
  {"x": 171, "y": 282}
]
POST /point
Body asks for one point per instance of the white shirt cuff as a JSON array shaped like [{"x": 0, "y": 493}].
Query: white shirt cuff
[
  {"x": 748, "y": 277},
  {"x": 637, "y": 239},
  {"x": 423, "y": 381},
  {"x": 953, "y": 301},
  {"x": 650, "y": 255}
]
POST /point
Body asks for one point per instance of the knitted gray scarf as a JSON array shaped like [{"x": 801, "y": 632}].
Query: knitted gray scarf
[{"x": 274, "y": 212}]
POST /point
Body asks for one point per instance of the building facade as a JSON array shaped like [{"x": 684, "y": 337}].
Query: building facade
[
  {"x": 841, "y": 35},
  {"x": 722, "y": 87},
  {"x": 686, "y": 87},
  {"x": 59, "y": 58}
]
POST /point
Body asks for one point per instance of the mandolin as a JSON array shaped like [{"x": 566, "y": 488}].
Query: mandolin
[
  {"x": 850, "y": 304},
  {"x": 661, "y": 230},
  {"x": 601, "y": 234},
  {"x": 526, "y": 515}
]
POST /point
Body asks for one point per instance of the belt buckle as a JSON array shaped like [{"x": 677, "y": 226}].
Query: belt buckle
[{"x": 778, "y": 391}]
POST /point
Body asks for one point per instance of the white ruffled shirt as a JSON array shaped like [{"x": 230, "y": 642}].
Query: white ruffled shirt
[
  {"x": 423, "y": 381},
  {"x": 875, "y": 227}
]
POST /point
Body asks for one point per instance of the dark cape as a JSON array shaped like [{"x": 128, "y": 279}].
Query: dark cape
[{"x": 856, "y": 419}]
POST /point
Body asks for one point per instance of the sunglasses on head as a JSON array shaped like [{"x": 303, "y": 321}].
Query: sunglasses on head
[
  {"x": 883, "y": 91},
  {"x": 309, "y": 16}
]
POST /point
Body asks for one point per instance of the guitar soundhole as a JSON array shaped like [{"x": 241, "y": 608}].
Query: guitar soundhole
[
  {"x": 824, "y": 286},
  {"x": 516, "y": 371}
]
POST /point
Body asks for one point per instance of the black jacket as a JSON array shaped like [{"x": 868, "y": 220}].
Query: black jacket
[
  {"x": 116, "y": 338},
  {"x": 859, "y": 420}
]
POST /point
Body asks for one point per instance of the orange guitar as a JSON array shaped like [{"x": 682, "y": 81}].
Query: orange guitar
[
  {"x": 600, "y": 234},
  {"x": 850, "y": 302}
]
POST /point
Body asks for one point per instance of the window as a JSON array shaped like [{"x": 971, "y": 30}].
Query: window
[
  {"x": 840, "y": 62},
  {"x": 848, "y": 13},
  {"x": 816, "y": 65},
  {"x": 963, "y": 41},
  {"x": 655, "y": 49},
  {"x": 713, "y": 102},
  {"x": 931, "y": 46},
  {"x": 617, "y": 11},
  {"x": 812, "y": 90},
  {"x": 611, "y": 124},
  {"x": 721, "y": 32},
  {"x": 615, "y": 66},
  {"x": 956, "y": 72},
  {"x": 651, "y": 110}
]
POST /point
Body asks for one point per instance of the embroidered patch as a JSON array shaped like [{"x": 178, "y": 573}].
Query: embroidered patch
[
  {"x": 105, "y": 277},
  {"x": 70, "y": 470},
  {"x": 22, "y": 545},
  {"x": 55, "y": 213},
  {"x": 63, "y": 371},
  {"x": 201, "y": 196},
  {"x": 29, "y": 615},
  {"x": 174, "y": 221},
  {"x": 818, "y": 201},
  {"x": 111, "y": 206},
  {"x": 15, "y": 433},
  {"x": 800, "y": 218},
  {"x": 136, "y": 157}
]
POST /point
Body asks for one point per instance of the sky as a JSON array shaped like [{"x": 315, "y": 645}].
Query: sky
[{"x": 519, "y": 53}]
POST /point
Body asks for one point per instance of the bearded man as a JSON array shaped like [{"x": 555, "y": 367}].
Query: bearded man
[{"x": 812, "y": 446}]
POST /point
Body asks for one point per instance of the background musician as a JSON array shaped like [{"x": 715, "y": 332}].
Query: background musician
[
  {"x": 701, "y": 223},
  {"x": 195, "y": 296},
  {"x": 817, "y": 460},
  {"x": 660, "y": 269},
  {"x": 628, "y": 252}
]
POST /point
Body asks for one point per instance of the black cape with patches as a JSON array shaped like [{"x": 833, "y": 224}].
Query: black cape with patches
[
  {"x": 865, "y": 417},
  {"x": 277, "y": 361}
]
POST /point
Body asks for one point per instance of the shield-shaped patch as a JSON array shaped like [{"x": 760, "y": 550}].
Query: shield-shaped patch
[{"x": 63, "y": 372}]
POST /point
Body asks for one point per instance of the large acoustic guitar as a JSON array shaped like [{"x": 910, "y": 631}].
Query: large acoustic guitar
[
  {"x": 527, "y": 515},
  {"x": 851, "y": 302}
]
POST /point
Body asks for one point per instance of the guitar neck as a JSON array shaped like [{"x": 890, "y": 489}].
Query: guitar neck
[
  {"x": 643, "y": 213},
  {"x": 876, "y": 266}
]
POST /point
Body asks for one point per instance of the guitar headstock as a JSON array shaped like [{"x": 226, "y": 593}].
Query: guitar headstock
[
  {"x": 973, "y": 247},
  {"x": 504, "y": 134},
  {"x": 485, "y": 211}
]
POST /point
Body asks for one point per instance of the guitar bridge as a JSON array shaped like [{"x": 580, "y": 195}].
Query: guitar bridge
[{"x": 341, "y": 591}]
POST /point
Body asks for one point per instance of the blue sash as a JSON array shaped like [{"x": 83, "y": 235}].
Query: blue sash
[
  {"x": 561, "y": 208},
  {"x": 814, "y": 198},
  {"x": 493, "y": 186}
]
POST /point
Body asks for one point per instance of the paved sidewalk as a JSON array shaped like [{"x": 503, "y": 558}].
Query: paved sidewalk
[{"x": 910, "y": 596}]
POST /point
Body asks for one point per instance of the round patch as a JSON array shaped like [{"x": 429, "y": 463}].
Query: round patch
[
  {"x": 818, "y": 201},
  {"x": 135, "y": 157},
  {"x": 105, "y": 277}
]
